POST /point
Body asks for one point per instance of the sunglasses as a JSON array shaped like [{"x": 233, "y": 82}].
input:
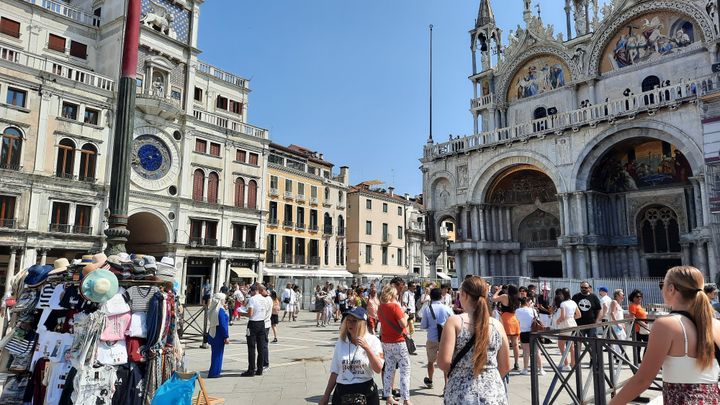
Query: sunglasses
[
  {"x": 584, "y": 288},
  {"x": 661, "y": 284}
]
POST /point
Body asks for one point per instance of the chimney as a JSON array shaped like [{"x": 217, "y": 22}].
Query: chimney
[
  {"x": 344, "y": 174},
  {"x": 391, "y": 191},
  {"x": 407, "y": 197}
]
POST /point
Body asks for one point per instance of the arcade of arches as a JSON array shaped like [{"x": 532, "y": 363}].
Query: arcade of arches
[{"x": 636, "y": 218}]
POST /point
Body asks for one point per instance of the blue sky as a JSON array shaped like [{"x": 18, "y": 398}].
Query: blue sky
[{"x": 350, "y": 79}]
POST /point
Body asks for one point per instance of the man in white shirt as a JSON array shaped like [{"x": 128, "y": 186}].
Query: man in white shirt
[
  {"x": 447, "y": 295},
  {"x": 288, "y": 299},
  {"x": 408, "y": 303},
  {"x": 268, "y": 324},
  {"x": 605, "y": 301},
  {"x": 256, "y": 335}
]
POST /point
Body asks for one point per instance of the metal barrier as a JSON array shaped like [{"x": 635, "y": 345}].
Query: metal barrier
[
  {"x": 189, "y": 325},
  {"x": 606, "y": 354}
]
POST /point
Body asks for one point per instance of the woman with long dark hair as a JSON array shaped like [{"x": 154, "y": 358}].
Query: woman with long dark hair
[
  {"x": 509, "y": 301},
  {"x": 568, "y": 313},
  {"x": 685, "y": 344},
  {"x": 474, "y": 351}
]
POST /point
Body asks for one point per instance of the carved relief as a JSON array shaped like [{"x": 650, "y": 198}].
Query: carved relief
[
  {"x": 462, "y": 175},
  {"x": 166, "y": 17}
]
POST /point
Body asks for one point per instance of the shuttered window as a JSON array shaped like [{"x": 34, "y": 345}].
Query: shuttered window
[
  {"x": 213, "y": 182},
  {"x": 240, "y": 155},
  {"x": 253, "y": 159},
  {"x": 9, "y": 27},
  {"x": 201, "y": 145},
  {"x": 56, "y": 43},
  {"x": 198, "y": 185},
  {"x": 240, "y": 192},
  {"x": 214, "y": 149},
  {"x": 252, "y": 194},
  {"x": 78, "y": 50},
  {"x": 221, "y": 103}
]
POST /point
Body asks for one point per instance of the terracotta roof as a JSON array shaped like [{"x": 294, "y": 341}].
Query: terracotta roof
[
  {"x": 302, "y": 152},
  {"x": 365, "y": 188}
]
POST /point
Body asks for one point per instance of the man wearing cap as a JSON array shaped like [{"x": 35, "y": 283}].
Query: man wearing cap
[
  {"x": 605, "y": 301},
  {"x": 255, "y": 335}
]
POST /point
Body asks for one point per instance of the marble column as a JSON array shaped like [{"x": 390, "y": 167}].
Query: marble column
[
  {"x": 508, "y": 223},
  {"x": 566, "y": 214},
  {"x": 580, "y": 212},
  {"x": 500, "y": 224},
  {"x": 462, "y": 224},
  {"x": 569, "y": 262},
  {"x": 704, "y": 208},
  {"x": 459, "y": 264},
  {"x": 686, "y": 258},
  {"x": 475, "y": 223},
  {"x": 503, "y": 263},
  {"x": 517, "y": 263},
  {"x": 476, "y": 263},
  {"x": 582, "y": 269},
  {"x": 43, "y": 257},
  {"x": 213, "y": 274},
  {"x": 636, "y": 271},
  {"x": 712, "y": 258},
  {"x": 703, "y": 262},
  {"x": 469, "y": 259},
  {"x": 697, "y": 202},
  {"x": 591, "y": 213},
  {"x": 496, "y": 225},
  {"x": 483, "y": 222},
  {"x": 594, "y": 262},
  {"x": 484, "y": 265},
  {"x": 10, "y": 273},
  {"x": 625, "y": 260}
]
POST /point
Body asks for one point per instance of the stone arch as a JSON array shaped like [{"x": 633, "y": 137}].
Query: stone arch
[
  {"x": 150, "y": 232},
  {"x": 599, "y": 145},
  {"x": 609, "y": 29},
  {"x": 441, "y": 194},
  {"x": 494, "y": 167},
  {"x": 501, "y": 90},
  {"x": 539, "y": 229},
  {"x": 443, "y": 217}
]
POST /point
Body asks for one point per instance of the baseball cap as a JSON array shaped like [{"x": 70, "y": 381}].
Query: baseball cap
[
  {"x": 603, "y": 289},
  {"x": 359, "y": 313}
]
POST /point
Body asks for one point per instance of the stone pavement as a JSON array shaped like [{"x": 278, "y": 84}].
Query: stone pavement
[{"x": 300, "y": 366}]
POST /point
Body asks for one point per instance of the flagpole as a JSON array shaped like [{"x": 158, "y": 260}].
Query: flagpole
[{"x": 430, "y": 138}]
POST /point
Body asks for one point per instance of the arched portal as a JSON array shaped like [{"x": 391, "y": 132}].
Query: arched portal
[
  {"x": 659, "y": 235},
  {"x": 148, "y": 234}
]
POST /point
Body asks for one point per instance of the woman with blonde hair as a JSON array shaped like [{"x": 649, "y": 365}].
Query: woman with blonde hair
[
  {"x": 685, "y": 344},
  {"x": 480, "y": 347},
  {"x": 358, "y": 356},
  {"x": 393, "y": 323}
]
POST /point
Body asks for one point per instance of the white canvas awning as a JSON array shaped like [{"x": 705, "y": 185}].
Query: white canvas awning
[
  {"x": 307, "y": 273},
  {"x": 443, "y": 276},
  {"x": 243, "y": 272}
]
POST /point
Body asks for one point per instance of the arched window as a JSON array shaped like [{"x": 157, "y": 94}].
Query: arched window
[
  {"x": 252, "y": 194},
  {"x": 65, "y": 159},
  {"x": 327, "y": 224},
  {"x": 648, "y": 84},
  {"x": 239, "y": 192},
  {"x": 340, "y": 196},
  {"x": 341, "y": 226},
  {"x": 327, "y": 253},
  {"x": 539, "y": 114},
  {"x": 337, "y": 253},
  {"x": 88, "y": 160},
  {"x": 327, "y": 194},
  {"x": 659, "y": 230},
  {"x": 11, "y": 148},
  {"x": 198, "y": 185},
  {"x": 213, "y": 183},
  {"x": 539, "y": 229}
]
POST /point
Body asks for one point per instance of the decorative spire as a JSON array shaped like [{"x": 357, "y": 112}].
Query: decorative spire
[{"x": 485, "y": 14}]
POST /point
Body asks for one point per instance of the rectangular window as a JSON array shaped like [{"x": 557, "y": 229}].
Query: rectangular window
[
  {"x": 198, "y": 94},
  {"x": 313, "y": 219},
  {"x": 16, "y": 97},
  {"x": 240, "y": 155},
  {"x": 368, "y": 227},
  {"x": 7, "y": 211},
  {"x": 214, "y": 149},
  {"x": 384, "y": 255},
  {"x": 385, "y": 232},
  {"x": 9, "y": 27},
  {"x": 200, "y": 145},
  {"x": 56, "y": 43},
  {"x": 69, "y": 111},
  {"x": 368, "y": 254},
  {"x": 278, "y": 160},
  {"x": 368, "y": 204},
  {"x": 288, "y": 186},
  {"x": 195, "y": 229},
  {"x": 385, "y": 207},
  {"x": 313, "y": 191},
  {"x": 82, "y": 219},
  {"x": 175, "y": 94},
  {"x": 210, "y": 232},
  {"x": 301, "y": 188},
  {"x": 400, "y": 232},
  {"x": 399, "y": 257},
  {"x": 300, "y": 216},
  {"x": 235, "y": 107},
  {"x": 274, "y": 182},
  {"x": 59, "y": 218},
  {"x": 400, "y": 211},
  {"x": 78, "y": 50},
  {"x": 273, "y": 214},
  {"x": 221, "y": 103},
  {"x": 253, "y": 159},
  {"x": 288, "y": 214},
  {"x": 91, "y": 116}
]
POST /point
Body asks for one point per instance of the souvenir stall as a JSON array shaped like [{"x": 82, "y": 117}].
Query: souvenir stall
[{"x": 100, "y": 330}]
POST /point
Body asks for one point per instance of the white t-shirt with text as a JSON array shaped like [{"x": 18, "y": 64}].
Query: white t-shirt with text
[{"x": 351, "y": 363}]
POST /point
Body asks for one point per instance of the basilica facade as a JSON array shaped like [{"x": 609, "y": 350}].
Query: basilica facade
[{"x": 594, "y": 149}]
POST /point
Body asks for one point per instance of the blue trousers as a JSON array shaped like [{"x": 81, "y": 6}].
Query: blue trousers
[{"x": 217, "y": 348}]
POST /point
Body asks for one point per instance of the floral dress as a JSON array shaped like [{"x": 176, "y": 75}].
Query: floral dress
[{"x": 487, "y": 388}]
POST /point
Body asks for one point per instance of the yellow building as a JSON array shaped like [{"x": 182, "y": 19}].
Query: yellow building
[
  {"x": 305, "y": 232},
  {"x": 377, "y": 243}
]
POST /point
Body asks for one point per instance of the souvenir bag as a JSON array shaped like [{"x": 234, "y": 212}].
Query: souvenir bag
[{"x": 14, "y": 389}]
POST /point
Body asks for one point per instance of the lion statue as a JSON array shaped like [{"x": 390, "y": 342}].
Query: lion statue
[{"x": 159, "y": 18}]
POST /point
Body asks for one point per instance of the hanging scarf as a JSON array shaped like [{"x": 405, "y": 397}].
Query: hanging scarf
[{"x": 216, "y": 305}]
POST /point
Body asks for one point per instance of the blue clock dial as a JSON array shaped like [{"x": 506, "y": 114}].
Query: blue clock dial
[{"x": 151, "y": 158}]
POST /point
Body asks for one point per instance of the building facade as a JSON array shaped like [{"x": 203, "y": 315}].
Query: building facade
[
  {"x": 594, "y": 151},
  {"x": 306, "y": 216},
  {"x": 196, "y": 189},
  {"x": 377, "y": 236}
]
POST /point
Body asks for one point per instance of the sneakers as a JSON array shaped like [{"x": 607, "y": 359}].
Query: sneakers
[
  {"x": 516, "y": 368},
  {"x": 274, "y": 340},
  {"x": 542, "y": 371},
  {"x": 525, "y": 371},
  {"x": 428, "y": 382},
  {"x": 565, "y": 368},
  {"x": 249, "y": 373}
]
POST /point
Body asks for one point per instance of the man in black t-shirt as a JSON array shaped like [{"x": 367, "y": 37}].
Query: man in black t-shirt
[{"x": 590, "y": 308}]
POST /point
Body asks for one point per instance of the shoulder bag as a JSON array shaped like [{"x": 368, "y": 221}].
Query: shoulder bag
[
  {"x": 537, "y": 325},
  {"x": 470, "y": 343},
  {"x": 409, "y": 342},
  {"x": 437, "y": 325}
]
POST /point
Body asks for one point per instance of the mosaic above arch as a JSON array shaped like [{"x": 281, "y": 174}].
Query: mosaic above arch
[
  {"x": 647, "y": 38},
  {"x": 539, "y": 75},
  {"x": 523, "y": 184}
]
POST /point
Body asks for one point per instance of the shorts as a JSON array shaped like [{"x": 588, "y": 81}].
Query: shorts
[
  {"x": 432, "y": 351},
  {"x": 525, "y": 337},
  {"x": 274, "y": 319},
  {"x": 510, "y": 323}
]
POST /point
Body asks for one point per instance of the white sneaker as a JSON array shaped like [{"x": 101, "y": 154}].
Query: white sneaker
[
  {"x": 565, "y": 368},
  {"x": 542, "y": 371},
  {"x": 525, "y": 371}
]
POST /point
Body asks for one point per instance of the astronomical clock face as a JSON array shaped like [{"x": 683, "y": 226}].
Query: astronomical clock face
[
  {"x": 154, "y": 160},
  {"x": 150, "y": 157}
]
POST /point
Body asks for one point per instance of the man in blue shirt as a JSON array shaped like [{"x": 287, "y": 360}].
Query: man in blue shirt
[{"x": 433, "y": 318}]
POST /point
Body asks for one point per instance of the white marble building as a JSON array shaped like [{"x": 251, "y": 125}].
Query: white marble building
[
  {"x": 594, "y": 149},
  {"x": 198, "y": 167}
]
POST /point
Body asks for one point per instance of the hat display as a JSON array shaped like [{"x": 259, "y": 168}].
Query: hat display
[
  {"x": 37, "y": 273},
  {"x": 166, "y": 269},
  {"x": 60, "y": 265},
  {"x": 98, "y": 261},
  {"x": 150, "y": 262},
  {"x": 99, "y": 286},
  {"x": 86, "y": 259},
  {"x": 359, "y": 313}
]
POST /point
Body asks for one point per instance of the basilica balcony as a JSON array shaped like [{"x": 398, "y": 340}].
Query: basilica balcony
[
  {"x": 63, "y": 9},
  {"x": 159, "y": 105},
  {"x": 213, "y": 71},
  {"x": 482, "y": 102},
  {"x": 610, "y": 111},
  {"x": 55, "y": 68},
  {"x": 229, "y": 123}
]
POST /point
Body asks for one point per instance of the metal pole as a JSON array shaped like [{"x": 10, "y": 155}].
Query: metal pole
[
  {"x": 430, "y": 138},
  {"x": 117, "y": 232},
  {"x": 534, "y": 381}
]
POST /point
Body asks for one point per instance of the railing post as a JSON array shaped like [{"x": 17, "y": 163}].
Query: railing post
[
  {"x": 598, "y": 370},
  {"x": 534, "y": 381}
]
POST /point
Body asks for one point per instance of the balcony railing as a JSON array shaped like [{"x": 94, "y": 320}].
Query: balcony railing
[
  {"x": 67, "y": 176},
  {"x": 300, "y": 198},
  {"x": 56, "y": 68},
  {"x": 314, "y": 201},
  {"x": 273, "y": 221},
  {"x": 83, "y": 229},
  {"x": 313, "y": 228},
  {"x": 482, "y": 101},
  {"x": 198, "y": 241},
  {"x": 649, "y": 101},
  {"x": 272, "y": 256},
  {"x": 8, "y": 223},
  {"x": 244, "y": 244},
  {"x": 340, "y": 231},
  {"x": 10, "y": 166},
  {"x": 288, "y": 195},
  {"x": 61, "y": 228},
  {"x": 210, "y": 242},
  {"x": 230, "y": 124},
  {"x": 288, "y": 224},
  {"x": 274, "y": 192},
  {"x": 211, "y": 70},
  {"x": 386, "y": 239},
  {"x": 300, "y": 226},
  {"x": 299, "y": 259},
  {"x": 72, "y": 13},
  {"x": 314, "y": 261},
  {"x": 287, "y": 259},
  {"x": 87, "y": 179}
]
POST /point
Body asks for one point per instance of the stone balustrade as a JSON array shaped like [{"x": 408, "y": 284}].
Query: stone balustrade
[
  {"x": 229, "y": 123},
  {"x": 211, "y": 70},
  {"x": 63, "y": 9}
]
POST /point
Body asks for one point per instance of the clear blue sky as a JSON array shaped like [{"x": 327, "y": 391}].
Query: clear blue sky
[{"x": 350, "y": 78}]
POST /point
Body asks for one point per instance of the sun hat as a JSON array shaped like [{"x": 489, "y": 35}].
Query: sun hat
[
  {"x": 150, "y": 262},
  {"x": 166, "y": 269},
  {"x": 37, "y": 273},
  {"x": 60, "y": 265},
  {"x": 99, "y": 286},
  {"x": 86, "y": 259},
  {"x": 359, "y": 313},
  {"x": 99, "y": 260}
]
